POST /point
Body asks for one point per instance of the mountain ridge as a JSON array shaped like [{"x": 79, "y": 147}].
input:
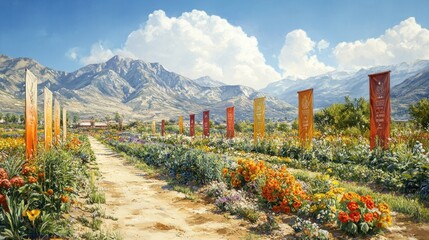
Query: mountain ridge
[{"x": 137, "y": 89}]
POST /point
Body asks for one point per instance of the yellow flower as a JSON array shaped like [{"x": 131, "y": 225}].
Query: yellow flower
[
  {"x": 329, "y": 170},
  {"x": 335, "y": 182},
  {"x": 319, "y": 196},
  {"x": 33, "y": 214},
  {"x": 313, "y": 208}
]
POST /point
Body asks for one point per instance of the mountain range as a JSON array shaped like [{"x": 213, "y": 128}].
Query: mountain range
[
  {"x": 408, "y": 81},
  {"x": 134, "y": 88},
  {"x": 141, "y": 90}
]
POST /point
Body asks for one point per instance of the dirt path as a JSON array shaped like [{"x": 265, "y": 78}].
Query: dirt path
[{"x": 146, "y": 210}]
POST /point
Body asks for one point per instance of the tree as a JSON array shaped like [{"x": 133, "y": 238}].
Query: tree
[
  {"x": 420, "y": 113},
  {"x": 354, "y": 113},
  {"x": 75, "y": 118}
]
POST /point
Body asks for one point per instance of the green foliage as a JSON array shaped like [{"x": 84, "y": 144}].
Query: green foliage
[
  {"x": 354, "y": 113},
  {"x": 420, "y": 113}
]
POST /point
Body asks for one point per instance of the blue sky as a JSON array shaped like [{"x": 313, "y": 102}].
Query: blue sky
[{"x": 295, "y": 39}]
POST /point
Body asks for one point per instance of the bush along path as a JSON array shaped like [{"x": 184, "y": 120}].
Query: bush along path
[{"x": 146, "y": 208}]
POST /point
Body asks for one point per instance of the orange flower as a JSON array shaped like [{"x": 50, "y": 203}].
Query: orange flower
[
  {"x": 64, "y": 199},
  {"x": 343, "y": 217},
  {"x": 224, "y": 171},
  {"x": 297, "y": 204},
  {"x": 32, "y": 179},
  {"x": 376, "y": 215},
  {"x": 50, "y": 192},
  {"x": 353, "y": 206},
  {"x": 383, "y": 207},
  {"x": 350, "y": 196},
  {"x": 354, "y": 216},
  {"x": 368, "y": 217}
]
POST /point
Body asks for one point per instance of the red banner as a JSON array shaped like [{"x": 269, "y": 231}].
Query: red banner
[
  {"x": 162, "y": 127},
  {"x": 206, "y": 123},
  {"x": 379, "y": 99},
  {"x": 30, "y": 114},
  {"x": 192, "y": 125},
  {"x": 305, "y": 116},
  {"x": 230, "y": 122}
]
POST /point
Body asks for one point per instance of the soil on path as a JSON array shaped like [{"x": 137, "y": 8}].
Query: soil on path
[{"x": 145, "y": 209}]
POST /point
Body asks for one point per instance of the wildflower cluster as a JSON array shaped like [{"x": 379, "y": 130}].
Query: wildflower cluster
[
  {"x": 360, "y": 215},
  {"x": 282, "y": 192}
]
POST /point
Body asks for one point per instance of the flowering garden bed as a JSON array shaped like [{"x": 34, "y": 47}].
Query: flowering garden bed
[{"x": 258, "y": 189}]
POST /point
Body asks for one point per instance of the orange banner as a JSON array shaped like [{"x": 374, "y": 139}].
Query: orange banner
[
  {"x": 379, "y": 94},
  {"x": 181, "y": 125},
  {"x": 57, "y": 121},
  {"x": 305, "y": 116},
  {"x": 162, "y": 127},
  {"x": 30, "y": 114},
  {"x": 64, "y": 124},
  {"x": 153, "y": 127},
  {"x": 258, "y": 118},
  {"x": 48, "y": 117},
  {"x": 206, "y": 123},
  {"x": 192, "y": 125},
  {"x": 230, "y": 122}
]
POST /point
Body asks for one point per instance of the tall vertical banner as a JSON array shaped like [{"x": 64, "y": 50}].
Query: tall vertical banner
[
  {"x": 181, "y": 125},
  {"x": 305, "y": 116},
  {"x": 64, "y": 125},
  {"x": 379, "y": 100},
  {"x": 230, "y": 122},
  {"x": 163, "y": 127},
  {"x": 57, "y": 121},
  {"x": 258, "y": 118},
  {"x": 192, "y": 125},
  {"x": 30, "y": 114},
  {"x": 153, "y": 127},
  {"x": 206, "y": 123},
  {"x": 48, "y": 117}
]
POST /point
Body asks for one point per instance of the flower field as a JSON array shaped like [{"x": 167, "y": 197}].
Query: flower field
[
  {"x": 36, "y": 196},
  {"x": 276, "y": 177}
]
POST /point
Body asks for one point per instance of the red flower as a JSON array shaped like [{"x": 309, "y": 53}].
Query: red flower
[
  {"x": 354, "y": 216},
  {"x": 343, "y": 217},
  {"x": 370, "y": 204},
  {"x": 5, "y": 183},
  {"x": 353, "y": 206},
  {"x": 17, "y": 181},
  {"x": 368, "y": 217},
  {"x": 276, "y": 209}
]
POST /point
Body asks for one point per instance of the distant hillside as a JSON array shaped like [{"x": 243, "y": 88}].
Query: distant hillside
[
  {"x": 408, "y": 92},
  {"x": 137, "y": 89}
]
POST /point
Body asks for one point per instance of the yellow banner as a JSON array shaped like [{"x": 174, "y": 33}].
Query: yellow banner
[
  {"x": 64, "y": 124},
  {"x": 305, "y": 116},
  {"x": 30, "y": 114},
  {"x": 57, "y": 121},
  {"x": 258, "y": 118},
  {"x": 48, "y": 117},
  {"x": 181, "y": 125},
  {"x": 153, "y": 127}
]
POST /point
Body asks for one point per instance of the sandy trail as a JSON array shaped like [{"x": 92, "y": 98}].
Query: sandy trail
[{"x": 145, "y": 209}]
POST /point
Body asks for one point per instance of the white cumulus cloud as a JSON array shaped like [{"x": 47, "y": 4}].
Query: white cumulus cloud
[
  {"x": 404, "y": 42},
  {"x": 195, "y": 44},
  {"x": 98, "y": 54},
  {"x": 322, "y": 44},
  {"x": 72, "y": 53},
  {"x": 297, "y": 58}
]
